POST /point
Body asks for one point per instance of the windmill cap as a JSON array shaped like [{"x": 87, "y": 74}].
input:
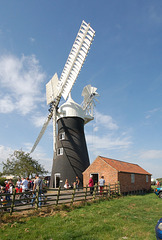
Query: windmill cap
[{"x": 71, "y": 109}]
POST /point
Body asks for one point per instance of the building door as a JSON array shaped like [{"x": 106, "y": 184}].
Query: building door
[
  {"x": 95, "y": 178},
  {"x": 57, "y": 180}
]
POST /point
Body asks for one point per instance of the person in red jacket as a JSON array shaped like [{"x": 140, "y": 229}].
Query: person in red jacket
[
  {"x": 91, "y": 184},
  {"x": 7, "y": 186}
]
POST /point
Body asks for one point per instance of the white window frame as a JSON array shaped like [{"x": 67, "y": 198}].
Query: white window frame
[
  {"x": 147, "y": 178},
  {"x": 59, "y": 151},
  {"x": 132, "y": 178},
  {"x": 62, "y": 136}
]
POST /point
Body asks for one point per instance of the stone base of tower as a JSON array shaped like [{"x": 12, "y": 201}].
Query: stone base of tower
[{"x": 71, "y": 158}]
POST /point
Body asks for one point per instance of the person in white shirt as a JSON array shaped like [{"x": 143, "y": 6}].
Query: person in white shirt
[
  {"x": 24, "y": 184},
  {"x": 18, "y": 183},
  {"x": 38, "y": 185},
  {"x": 101, "y": 184}
]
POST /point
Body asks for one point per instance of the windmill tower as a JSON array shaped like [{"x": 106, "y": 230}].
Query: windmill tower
[{"x": 70, "y": 155}]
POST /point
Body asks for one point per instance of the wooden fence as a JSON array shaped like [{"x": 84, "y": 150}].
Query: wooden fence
[{"x": 50, "y": 197}]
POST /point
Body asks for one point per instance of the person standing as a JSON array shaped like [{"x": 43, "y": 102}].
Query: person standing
[
  {"x": 24, "y": 184},
  {"x": 18, "y": 183},
  {"x": 30, "y": 187},
  {"x": 38, "y": 185},
  {"x": 47, "y": 183},
  {"x": 11, "y": 185},
  {"x": 91, "y": 184},
  {"x": 7, "y": 187},
  {"x": 66, "y": 185},
  {"x": 101, "y": 184},
  {"x": 158, "y": 184},
  {"x": 77, "y": 182}
]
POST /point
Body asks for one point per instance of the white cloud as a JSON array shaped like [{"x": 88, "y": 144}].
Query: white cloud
[
  {"x": 38, "y": 120},
  {"x": 6, "y": 104},
  {"x": 155, "y": 14},
  {"x": 150, "y": 113},
  {"x": 20, "y": 81},
  {"x": 150, "y": 160},
  {"x": 4, "y": 153},
  {"x": 43, "y": 159},
  {"x": 40, "y": 156},
  {"x": 95, "y": 129},
  {"x": 108, "y": 142},
  {"x": 106, "y": 136},
  {"x": 151, "y": 154},
  {"x": 105, "y": 121},
  {"x": 32, "y": 40}
]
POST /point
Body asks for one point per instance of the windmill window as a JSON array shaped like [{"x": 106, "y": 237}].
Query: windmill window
[
  {"x": 146, "y": 178},
  {"x": 132, "y": 178},
  {"x": 60, "y": 151},
  {"x": 62, "y": 136}
]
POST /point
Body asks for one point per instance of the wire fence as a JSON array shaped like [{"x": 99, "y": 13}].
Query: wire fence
[{"x": 52, "y": 197}]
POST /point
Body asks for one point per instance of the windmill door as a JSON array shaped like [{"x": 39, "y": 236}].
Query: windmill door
[{"x": 57, "y": 180}]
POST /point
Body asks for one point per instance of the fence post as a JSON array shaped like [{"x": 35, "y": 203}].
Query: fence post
[
  {"x": 13, "y": 201},
  {"x": 94, "y": 193},
  {"x": 115, "y": 188},
  {"x": 37, "y": 198},
  {"x": 73, "y": 195},
  {"x": 119, "y": 188},
  {"x": 86, "y": 193},
  {"x": 58, "y": 195},
  {"x": 109, "y": 190},
  {"x": 103, "y": 191},
  {"x": 106, "y": 191}
]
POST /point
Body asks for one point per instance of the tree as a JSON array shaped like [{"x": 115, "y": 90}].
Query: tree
[{"x": 21, "y": 164}]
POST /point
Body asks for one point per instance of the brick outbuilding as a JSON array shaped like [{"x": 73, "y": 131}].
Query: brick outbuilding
[{"x": 131, "y": 176}]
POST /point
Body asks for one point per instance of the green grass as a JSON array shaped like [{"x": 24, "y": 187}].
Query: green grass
[{"x": 131, "y": 217}]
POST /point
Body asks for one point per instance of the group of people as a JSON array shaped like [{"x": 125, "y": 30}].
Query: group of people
[
  {"x": 22, "y": 185},
  {"x": 75, "y": 184},
  {"x": 8, "y": 188},
  {"x": 101, "y": 184}
]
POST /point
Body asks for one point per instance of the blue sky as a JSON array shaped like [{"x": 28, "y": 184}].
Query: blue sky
[{"x": 124, "y": 63}]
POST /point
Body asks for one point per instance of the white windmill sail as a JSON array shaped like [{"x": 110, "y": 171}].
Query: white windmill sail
[
  {"x": 42, "y": 132},
  {"x": 51, "y": 89},
  {"x": 89, "y": 93},
  {"x": 76, "y": 58},
  {"x": 56, "y": 88}
]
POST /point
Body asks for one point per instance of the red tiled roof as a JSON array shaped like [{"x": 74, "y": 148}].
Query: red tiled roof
[{"x": 121, "y": 166}]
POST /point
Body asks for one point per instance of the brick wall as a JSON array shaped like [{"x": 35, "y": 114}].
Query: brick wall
[
  {"x": 139, "y": 184},
  {"x": 102, "y": 169}
]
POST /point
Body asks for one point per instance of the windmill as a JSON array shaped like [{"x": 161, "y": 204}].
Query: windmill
[{"x": 70, "y": 155}]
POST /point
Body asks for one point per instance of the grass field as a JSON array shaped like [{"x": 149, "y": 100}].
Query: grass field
[{"x": 130, "y": 217}]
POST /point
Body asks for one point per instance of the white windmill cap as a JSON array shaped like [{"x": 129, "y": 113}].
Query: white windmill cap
[{"x": 71, "y": 109}]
